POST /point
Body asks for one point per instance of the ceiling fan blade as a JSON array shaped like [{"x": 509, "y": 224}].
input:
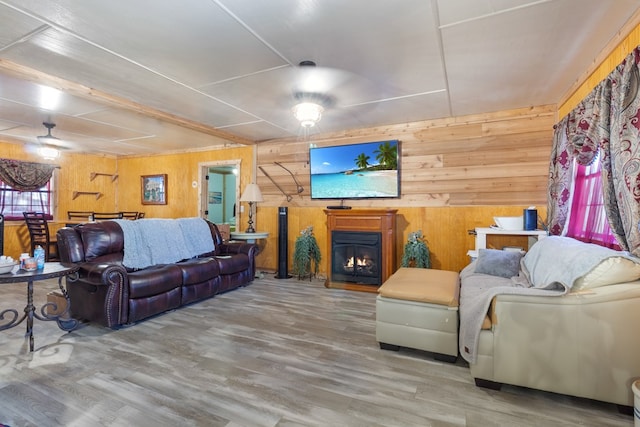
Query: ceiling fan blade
[
  {"x": 319, "y": 79},
  {"x": 329, "y": 86}
]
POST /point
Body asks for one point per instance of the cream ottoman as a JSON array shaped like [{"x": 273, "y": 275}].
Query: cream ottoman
[{"x": 418, "y": 308}]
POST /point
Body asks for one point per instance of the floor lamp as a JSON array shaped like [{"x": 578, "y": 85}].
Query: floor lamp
[{"x": 252, "y": 195}]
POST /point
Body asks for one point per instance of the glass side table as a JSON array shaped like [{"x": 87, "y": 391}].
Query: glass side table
[
  {"x": 249, "y": 237},
  {"x": 51, "y": 270}
]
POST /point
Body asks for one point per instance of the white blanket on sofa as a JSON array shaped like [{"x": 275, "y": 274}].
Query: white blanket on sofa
[
  {"x": 551, "y": 268},
  {"x": 475, "y": 299},
  {"x": 150, "y": 242}
]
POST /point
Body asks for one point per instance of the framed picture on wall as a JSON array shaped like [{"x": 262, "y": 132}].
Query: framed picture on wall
[
  {"x": 215, "y": 197},
  {"x": 154, "y": 189}
]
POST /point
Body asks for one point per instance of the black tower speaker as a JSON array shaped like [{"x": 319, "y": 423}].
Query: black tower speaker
[{"x": 283, "y": 236}]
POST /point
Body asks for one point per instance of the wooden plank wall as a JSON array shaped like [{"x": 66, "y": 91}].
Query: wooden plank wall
[
  {"x": 124, "y": 192},
  {"x": 74, "y": 175},
  {"x": 182, "y": 169},
  {"x": 456, "y": 174}
]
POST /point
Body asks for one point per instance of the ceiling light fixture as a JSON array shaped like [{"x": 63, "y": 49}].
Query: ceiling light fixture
[
  {"x": 49, "y": 153},
  {"x": 309, "y": 95},
  {"x": 308, "y": 113},
  {"x": 47, "y": 150}
]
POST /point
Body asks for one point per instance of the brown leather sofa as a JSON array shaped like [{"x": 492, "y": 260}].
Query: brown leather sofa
[{"x": 108, "y": 293}]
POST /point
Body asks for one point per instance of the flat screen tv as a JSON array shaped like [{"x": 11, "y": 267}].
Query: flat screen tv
[{"x": 367, "y": 170}]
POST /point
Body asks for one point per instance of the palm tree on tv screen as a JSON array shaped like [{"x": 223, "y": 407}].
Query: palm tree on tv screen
[
  {"x": 387, "y": 155},
  {"x": 362, "y": 161}
]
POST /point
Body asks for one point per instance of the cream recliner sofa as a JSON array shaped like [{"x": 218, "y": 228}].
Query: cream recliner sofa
[{"x": 579, "y": 338}]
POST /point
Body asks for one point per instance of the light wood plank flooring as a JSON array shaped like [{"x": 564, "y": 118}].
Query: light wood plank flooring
[{"x": 276, "y": 353}]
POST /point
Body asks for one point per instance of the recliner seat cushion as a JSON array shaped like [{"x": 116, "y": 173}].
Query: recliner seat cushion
[
  {"x": 154, "y": 280},
  {"x": 198, "y": 270}
]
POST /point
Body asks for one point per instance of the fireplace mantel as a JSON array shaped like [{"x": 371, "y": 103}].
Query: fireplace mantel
[{"x": 364, "y": 220}]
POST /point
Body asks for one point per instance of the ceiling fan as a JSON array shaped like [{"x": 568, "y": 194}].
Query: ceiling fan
[
  {"x": 317, "y": 89},
  {"x": 49, "y": 147}
]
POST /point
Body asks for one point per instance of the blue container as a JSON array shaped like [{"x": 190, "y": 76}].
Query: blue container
[
  {"x": 530, "y": 218},
  {"x": 38, "y": 254}
]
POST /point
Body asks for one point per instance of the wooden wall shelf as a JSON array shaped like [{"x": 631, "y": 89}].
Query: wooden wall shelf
[
  {"x": 113, "y": 176},
  {"x": 84, "y": 193}
]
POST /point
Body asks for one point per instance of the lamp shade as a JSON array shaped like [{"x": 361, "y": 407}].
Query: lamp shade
[{"x": 251, "y": 193}]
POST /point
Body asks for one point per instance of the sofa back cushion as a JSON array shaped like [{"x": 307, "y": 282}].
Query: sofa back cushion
[
  {"x": 101, "y": 239},
  {"x": 609, "y": 272},
  {"x": 577, "y": 265}
]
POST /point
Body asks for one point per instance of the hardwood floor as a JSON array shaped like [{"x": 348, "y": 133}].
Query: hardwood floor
[{"x": 276, "y": 353}]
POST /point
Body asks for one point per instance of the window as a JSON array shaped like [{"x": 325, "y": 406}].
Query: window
[
  {"x": 13, "y": 202},
  {"x": 588, "y": 220}
]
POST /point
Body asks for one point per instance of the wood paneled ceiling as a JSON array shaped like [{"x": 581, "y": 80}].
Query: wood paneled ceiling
[{"x": 124, "y": 77}]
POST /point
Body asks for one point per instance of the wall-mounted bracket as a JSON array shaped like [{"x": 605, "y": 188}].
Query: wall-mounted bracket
[
  {"x": 288, "y": 196},
  {"x": 299, "y": 188},
  {"x": 82, "y": 193},
  {"x": 113, "y": 176}
]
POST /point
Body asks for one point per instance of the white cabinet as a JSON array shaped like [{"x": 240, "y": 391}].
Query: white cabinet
[{"x": 482, "y": 233}]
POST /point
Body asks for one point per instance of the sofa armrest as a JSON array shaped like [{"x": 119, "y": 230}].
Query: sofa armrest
[
  {"x": 609, "y": 293},
  {"x": 231, "y": 248},
  {"x": 579, "y": 344},
  {"x": 100, "y": 292},
  {"x": 101, "y": 274}
]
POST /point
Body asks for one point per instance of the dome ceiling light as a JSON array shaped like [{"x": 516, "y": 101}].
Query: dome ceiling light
[
  {"x": 308, "y": 113},
  {"x": 309, "y": 95}
]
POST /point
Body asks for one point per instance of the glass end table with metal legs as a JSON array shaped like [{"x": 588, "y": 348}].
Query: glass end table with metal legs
[{"x": 51, "y": 270}]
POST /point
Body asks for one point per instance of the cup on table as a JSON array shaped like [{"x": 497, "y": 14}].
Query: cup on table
[{"x": 30, "y": 264}]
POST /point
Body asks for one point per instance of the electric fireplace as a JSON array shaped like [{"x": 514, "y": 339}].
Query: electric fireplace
[
  {"x": 356, "y": 257},
  {"x": 361, "y": 248}
]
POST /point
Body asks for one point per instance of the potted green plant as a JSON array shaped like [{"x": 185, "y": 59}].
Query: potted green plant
[
  {"x": 416, "y": 251},
  {"x": 306, "y": 254}
]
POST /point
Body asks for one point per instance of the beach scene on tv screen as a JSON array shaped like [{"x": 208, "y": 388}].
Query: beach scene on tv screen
[{"x": 355, "y": 171}]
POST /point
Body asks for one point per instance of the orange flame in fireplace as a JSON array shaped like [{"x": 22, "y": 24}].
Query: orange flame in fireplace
[{"x": 360, "y": 262}]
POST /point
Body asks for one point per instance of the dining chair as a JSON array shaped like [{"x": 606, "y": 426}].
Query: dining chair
[
  {"x": 1, "y": 234},
  {"x": 79, "y": 215},
  {"x": 129, "y": 215},
  {"x": 39, "y": 233},
  {"x": 99, "y": 216}
]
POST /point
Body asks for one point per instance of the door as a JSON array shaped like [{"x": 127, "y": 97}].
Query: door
[{"x": 220, "y": 191}]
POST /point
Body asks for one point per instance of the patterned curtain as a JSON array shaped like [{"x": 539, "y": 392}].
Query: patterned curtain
[
  {"x": 578, "y": 136},
  {"x": 560, "y": 173},
  {"x": 608, "y": 119},
  {"x": 588, "y": 125},
  {"x": 621, "y": 155},
  {"x": 25, "y": 176}
]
